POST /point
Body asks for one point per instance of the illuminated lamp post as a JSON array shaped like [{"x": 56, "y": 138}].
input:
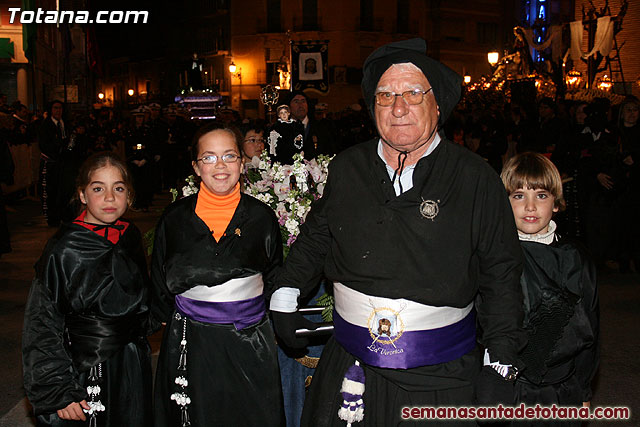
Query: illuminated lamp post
[
  {"x": 493, "y": 58},
  {"x": 237, "y": 73}
]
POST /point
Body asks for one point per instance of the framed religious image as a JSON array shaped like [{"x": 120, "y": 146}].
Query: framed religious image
[
  {"x": 340, "y": 74},
  {"x": 310, "y": 66}
]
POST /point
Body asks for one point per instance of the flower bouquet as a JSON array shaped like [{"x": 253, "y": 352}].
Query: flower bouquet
[{"x": 288, "y": 189}]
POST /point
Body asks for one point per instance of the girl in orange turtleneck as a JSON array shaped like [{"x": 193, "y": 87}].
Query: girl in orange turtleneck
[{"x": 214, "y": 261}]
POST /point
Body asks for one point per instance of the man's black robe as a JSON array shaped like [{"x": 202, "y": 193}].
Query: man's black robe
[{"x": 362, "y": 235}]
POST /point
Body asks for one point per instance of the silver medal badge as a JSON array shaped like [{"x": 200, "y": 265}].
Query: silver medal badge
[{"x": 429, "y": 209}]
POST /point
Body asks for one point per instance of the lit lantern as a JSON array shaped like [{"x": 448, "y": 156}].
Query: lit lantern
[
  {"x": 605, "y": 83},
  {"x": 573, "y": 79}
]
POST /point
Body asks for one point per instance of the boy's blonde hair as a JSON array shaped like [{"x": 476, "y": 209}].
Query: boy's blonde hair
[{"x": 534, "y": 171}]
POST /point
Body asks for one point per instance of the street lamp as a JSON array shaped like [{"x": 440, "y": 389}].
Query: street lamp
[
  {"x": 493, "y": 57},
  {"x": 237, "y": 72},
  {"x": 131, "y": 92},
  {"x": 467, "y": 79},
  {"x": 100, "y": 96}
]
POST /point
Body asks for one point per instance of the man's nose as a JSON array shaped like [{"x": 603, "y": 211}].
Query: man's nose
[{"x": 400, "y": 107}]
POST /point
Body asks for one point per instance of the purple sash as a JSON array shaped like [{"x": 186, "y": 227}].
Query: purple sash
[
  {"x": 409, "y": 349},
  {"x": 241, "y": 313}
]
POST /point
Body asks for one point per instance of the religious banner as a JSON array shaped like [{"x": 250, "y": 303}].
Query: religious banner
[{"x": 309, "y": 65}]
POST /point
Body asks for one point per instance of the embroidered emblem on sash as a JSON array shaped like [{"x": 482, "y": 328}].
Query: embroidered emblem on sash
[
  {"x": 429, "y": 209},
  {"x": 385, "y": 327}
]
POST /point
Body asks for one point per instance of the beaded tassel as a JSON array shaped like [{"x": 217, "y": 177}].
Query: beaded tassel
[
  {"x": 182, "y": 363},
  {"x": 180, "y": 396},
  {"x": 93, "y": 389},
  {"x": 352, "y": 408}
]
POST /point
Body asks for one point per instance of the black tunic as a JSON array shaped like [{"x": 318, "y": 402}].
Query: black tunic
[
  {"x": 82, "y": 273},
  {"x": 362, "y": 235},
  {"x": 285, "y": 146},
  {"x": 562, "y": 321},
  {"x": 233, "y": 374}
]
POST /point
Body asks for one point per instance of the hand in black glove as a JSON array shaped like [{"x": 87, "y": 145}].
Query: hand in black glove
[
  {"x": 491, "y": 390},
  {"x": 285, "y": 325}
]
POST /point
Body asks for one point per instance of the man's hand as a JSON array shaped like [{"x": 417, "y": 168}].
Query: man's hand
[
  {"x": 605, "y": 180},
  {"x": 285, "y": 325},
  {"x": 73, "y": 411}
]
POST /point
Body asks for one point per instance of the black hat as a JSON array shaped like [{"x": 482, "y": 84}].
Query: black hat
[
  {"x": 295, "y": 93},
  {"x": 446, "y": 83}
]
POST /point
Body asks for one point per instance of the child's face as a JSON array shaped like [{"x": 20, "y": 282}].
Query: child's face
[
  {"x": 283, "y": 114},
  {"x": 532, "y": 210},
  {"x": 105, "y": 197},
  {"x": 220, "y": 178}
]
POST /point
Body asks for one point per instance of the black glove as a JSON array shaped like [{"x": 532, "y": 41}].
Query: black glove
[
  {"x": 285, "y": 325},
  {"x": 492, "y": 389}
]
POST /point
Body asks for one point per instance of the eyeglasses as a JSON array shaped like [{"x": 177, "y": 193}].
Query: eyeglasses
[
  {"x": 411, "y": 97},
  {"x": 212, "y": 159},
  {"x": 255, "y": 140}
]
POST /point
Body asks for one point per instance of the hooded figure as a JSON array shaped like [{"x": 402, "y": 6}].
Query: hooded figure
[{"x": 417, "y": 233}]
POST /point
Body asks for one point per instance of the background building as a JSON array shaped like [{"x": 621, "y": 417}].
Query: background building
[{"x": 141, "y": 63}]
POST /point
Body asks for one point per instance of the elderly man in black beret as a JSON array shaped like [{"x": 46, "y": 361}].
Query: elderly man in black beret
[{"x": 418, "y": 237}]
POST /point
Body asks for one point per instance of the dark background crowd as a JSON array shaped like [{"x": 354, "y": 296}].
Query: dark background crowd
[{"x": 594, "y": 144}]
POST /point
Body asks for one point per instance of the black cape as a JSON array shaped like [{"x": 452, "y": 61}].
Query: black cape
[
  {"x": 233, "y": 374},
  {"x": 562, "y": 322},
  {"x": 82, "y": 273}
]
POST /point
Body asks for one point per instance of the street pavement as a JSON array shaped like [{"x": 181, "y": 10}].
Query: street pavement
[{"x": 617, "y": 383}]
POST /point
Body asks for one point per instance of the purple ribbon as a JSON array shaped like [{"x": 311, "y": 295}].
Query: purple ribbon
[
  {"x": 412, "y": 348},
  {"x": 241, "y": 313}
]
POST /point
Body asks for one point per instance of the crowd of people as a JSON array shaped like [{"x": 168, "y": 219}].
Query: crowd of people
[
  {"x": 593, "y": 144},
  {"x": 412, "y": 225}
]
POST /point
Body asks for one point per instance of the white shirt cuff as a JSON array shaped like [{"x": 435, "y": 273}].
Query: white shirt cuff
[{"x": 285, "y": 300}]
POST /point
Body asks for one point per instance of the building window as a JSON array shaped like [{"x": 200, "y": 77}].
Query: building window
[
  {"x": 309, "y": 15},
  {"x": 273, "y": 16},
  {"x": 402, "y": 16},
  {"x": 366, "y": 15},
  {"x": 487, "y": 33}
]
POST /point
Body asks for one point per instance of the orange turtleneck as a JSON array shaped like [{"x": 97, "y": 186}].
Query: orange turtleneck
[{"x": 217, "y": 211}]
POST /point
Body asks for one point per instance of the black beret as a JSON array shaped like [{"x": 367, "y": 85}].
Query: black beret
[
  {"x": 446, "y": 83},
  {"x": 295, "y": 93}
]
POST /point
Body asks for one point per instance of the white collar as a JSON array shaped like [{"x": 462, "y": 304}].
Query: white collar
[
  {"x": 434, "y": 144},
  {"x": 544, "y": 238}
]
